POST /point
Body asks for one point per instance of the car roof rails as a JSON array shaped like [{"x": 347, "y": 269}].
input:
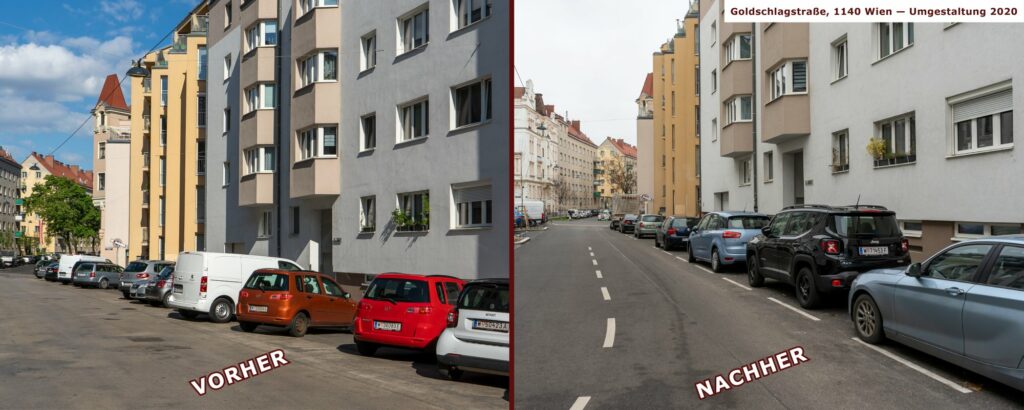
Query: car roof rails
[
  {"x": 443, "y": 276},
  {"x": 808, "y": 206},
  {"x": 878, "y": 207}
]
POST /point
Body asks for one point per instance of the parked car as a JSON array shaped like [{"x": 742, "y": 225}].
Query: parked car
[
  {"x": 67, "y": 264},
  {"x": 628, "y": 223},
  {"x": 96, "y": 274},
  {"x": 404, "y": 310},
  {"x": 476, "y": 337},
  {"x": 604, "y": 216},
  {"x": 51, "y": 272},
  {"x": 295, "y": 300},
  {"x": 962, "y": 305},
  {"x": 647, "y": 224},
  {"x": 41, "y": 266},
  {"x": 821, "y": 249},
  {"x": 674, "y": 232},
  {"x": 138, "y": 273},
  {"x": 208, "y": 282},
  {"x": 615, "y": 221},
  {"x": 157, "y": 290},
  {"x": 534, "y": 211},
  {"x": 8, "y": 259},
  {"x": 721, "y": 238}
]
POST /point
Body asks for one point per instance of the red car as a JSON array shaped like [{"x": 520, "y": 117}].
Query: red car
[{"x": 404, "y": 310}]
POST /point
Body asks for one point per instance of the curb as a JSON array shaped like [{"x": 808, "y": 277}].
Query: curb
[{"x": 522, "y": 241}]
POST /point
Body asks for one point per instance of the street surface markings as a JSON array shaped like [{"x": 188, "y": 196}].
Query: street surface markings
[
  {"x": 609, "y": 336},
  {"x": 595, "y": 261},
  {"x": 787, "y": 306},
  {"x": 599, "y": 274},
  {"x": 580, "y": 403},
  {"x": 667, "y": 253},
  {"x": 588, "y": 248},
  {"x": 604, "y": 292},
  {"x": 591, "y": 254},
  {"x": 735, "y": 283},
  {"x": 704, "y": 269},
  {"x": 911, "y": 365},
  {"x": 684, "y": 260}
]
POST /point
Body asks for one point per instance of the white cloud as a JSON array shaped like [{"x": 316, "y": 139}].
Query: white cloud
[
  {"x": 121, "y": 10},
  {"x": 22, "y": 116},
  {"x": 73, "y": 70}
]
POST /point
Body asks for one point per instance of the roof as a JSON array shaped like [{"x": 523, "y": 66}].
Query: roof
[
  {"x": 72, "y": 172},
  {"x": 111, "y": 94},
  {"x": 623, "y": 147},
  {"x": 578, "y": 135},
  {"x": 648, "y": 85},
  {"x": 6, "y": 156},
  {"x": 518, "y": 92},
  {"x": 738, "y": 213}
]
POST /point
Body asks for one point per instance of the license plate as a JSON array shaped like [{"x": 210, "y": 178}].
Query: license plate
[
  {"x": 178, "y": 289},
  {"x": 257, "y": 309},
  {"x": 491, "y": 325},
  {"x": 874, "y": 250},
  {"x": 389, "y": 326}
]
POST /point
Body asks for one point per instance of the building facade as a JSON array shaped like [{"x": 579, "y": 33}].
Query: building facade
[
  {"x": 34, "y": 170},
  {"x": 614, "y": 156},
  {"x": 10, "y": 202},
  {"x": 576, "y": 167},
  {"x": 536, "y": 151},
  {"x": 111, "y": 137},
  {"x": 645, "y": 140},
  {"x": 884, "y": 131}
]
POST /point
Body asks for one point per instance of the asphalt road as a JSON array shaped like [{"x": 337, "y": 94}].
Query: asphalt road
[
  {"x": 676, "y": 324},
  {"x": 67, "y": 347}
]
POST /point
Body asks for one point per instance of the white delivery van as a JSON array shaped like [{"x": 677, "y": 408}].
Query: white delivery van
[
  {"x": 208, "y": 282},
  {"x": 534, "y": 210},
  {"x": 67, "y": 262}
]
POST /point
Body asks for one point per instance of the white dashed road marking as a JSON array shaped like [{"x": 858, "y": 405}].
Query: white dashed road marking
[
  {"x": 920, "y": 369},
  {"x": 591, "y": 254},
  {"x": 682, "y": 259},
  {"x": 609, "y": 336},
  {"x": 734, "y": 283},
  {"x": 787, "y": 306},
  {"x": 595, "y": 261},
  {"x": 581, "y": 402},
  {"x": 604, "y": 292},
  {"x": 588, "y": 248},
  {"x": 704, "y": 269},
  {"x": 599, "y": 274}
]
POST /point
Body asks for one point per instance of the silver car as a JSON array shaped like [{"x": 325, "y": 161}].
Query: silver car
[
  {"x": 964, "y": 305},
  {"x": 647, "y": 224},
  {"x": 139, "y": 272},
  {"x": 158, "y": 289},
  {"x": 96, "y": 274}
]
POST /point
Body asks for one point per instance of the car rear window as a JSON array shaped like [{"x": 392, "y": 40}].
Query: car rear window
[
  {"x": 491, "y": 298},
  {"x": 399, "y": 290},
  {"x": 167, "y": 272},
  {"x": 866, "y": 225},
  {"x": 748, "y": 222},
  {"x": 683, "y": 223},
  {"x": 83, "y": 268},
  {"x": 653, "y": 218},
  {"x": 629, "y": 216},
  {"x": 270, "y": 281},
  {"x": 136, "y": 267}
]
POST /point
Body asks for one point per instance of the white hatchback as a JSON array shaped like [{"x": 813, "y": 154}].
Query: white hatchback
[{"x": 476, "y": 339}]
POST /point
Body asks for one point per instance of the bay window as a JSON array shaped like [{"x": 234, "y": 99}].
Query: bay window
[
  {"x": 259, "y": 160},
  {"x": 318, "y": 142},
  {"x": 260, "y": 97},
  {"x": 737, "y": 48},
  {"x": 306, "y": 6},
  {"x": 789, "y": 78},
  {"x": 322, "y": 66},
  {"x": 738, "y": 109},
  {"x": 261, "y": 34}
]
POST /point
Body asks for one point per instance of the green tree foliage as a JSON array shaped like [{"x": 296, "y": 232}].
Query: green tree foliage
[{"x": 67, "y": 210}]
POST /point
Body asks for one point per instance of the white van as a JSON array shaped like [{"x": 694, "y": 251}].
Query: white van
[
  {"x": 534, "y": 210},
  {"x": 68, "y": 261},
  {"x": 208, "y": 282}
]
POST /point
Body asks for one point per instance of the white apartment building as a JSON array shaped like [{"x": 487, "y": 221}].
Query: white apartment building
[
  {"x": 645, "y": 140},
  {"x": 535, "y": 151}
]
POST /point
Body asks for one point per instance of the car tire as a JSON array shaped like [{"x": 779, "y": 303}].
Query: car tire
[
  {"x": 366, "y": 349},
  {"x": 166, "y": 300},
  {"x": 806, "y": 292},
  {"x": 220, "y": 310},
  {"x": 248, "y": 326},
  {"x": 449, "y": 372},
  {"x": 188, "y": 314},
  {"x": 867, "y": 320},
  {"x": 754, "y": 276},
  {"x": 104, "y": 283},
  {"x": 657, "y": 243},
  {"x": 689, "y": 255},
  {"x": 716, "y": 263},
  {"x": 299, "y": 325},
  {"x": 127, "y": 295}
]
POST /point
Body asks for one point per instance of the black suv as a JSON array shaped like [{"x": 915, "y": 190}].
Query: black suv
[{"x": 820, "y": 249}]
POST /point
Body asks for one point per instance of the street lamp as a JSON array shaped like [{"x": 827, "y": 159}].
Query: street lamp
[{"x": 138, "y": 70}]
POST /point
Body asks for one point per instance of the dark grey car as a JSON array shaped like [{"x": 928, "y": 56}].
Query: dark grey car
[
  {"x": 158, "y": 288},
  {"x": 628, "y": 223},
  {"x": 674, "y": 232},
  {"x": 96, "y": 274},
  {"x": 139, "y": 272}
]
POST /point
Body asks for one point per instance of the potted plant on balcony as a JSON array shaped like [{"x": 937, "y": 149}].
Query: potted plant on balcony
[{"x": 877, "y": 148}]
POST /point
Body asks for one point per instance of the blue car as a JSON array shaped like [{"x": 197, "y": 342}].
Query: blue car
[
  {"x": 721, "y": 237},
  {"x": 964, "y": 305}
]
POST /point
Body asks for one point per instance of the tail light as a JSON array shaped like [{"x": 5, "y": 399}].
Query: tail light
[
  {"x": 905, "y": 245},
  {"x": 161, "y": 283},
  {"x": 243, "y": 294},
  {"x": 453, "y": 318},
  {"x": 830, "y": 246},
  {"x": 281, "y": 296},
  {"x": 423, "y": 310},
  {"x": 142, "y": 275},
  {"x": 202, "y": 286},
  {"x": 671, "y": 231},
  {"x": 731, "y": 235}
]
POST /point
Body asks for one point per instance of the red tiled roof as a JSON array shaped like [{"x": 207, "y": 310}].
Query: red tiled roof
[
  {"x": 575, "y": 133},
  {"x": 6, "y": 156},
  {"x": 623, "y": 147},
  {"x": 72, "y": 172},
  {"x": 111, "y": 93},
  {"x": 648, "y": 85}
]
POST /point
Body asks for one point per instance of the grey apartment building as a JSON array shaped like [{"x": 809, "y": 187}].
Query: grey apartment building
[
  {"x": 791, "y": 109},
  {"x": 10, "y": 199}
]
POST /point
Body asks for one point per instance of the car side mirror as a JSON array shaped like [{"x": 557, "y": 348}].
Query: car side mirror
[
  {"x": 347, "y": 295},
  {"x": 914, "y": 270},
  {"x": 767, "y": 231}
]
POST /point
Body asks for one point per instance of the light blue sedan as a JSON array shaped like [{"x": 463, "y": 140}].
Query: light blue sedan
[
  {"x": 964, "y": 305},
  {"x": 720, "y": 238}
]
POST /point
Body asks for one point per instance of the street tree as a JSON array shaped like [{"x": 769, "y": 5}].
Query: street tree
[
  {"x": 622, "y": 177},
  {"x": 67, "y": 210},
  {"x": 562, "y": 190}
]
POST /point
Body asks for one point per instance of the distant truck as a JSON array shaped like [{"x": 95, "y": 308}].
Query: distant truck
[
  {"x": 534, "y": 211},
  {"x": 623, "y": 204}
]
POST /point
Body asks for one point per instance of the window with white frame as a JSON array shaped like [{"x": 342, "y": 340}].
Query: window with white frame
[
  {"x": 911, "y": 228},
  {"x": 472, "y": 103},
  {"x": 102, "y": 151},
  {"x": 769, "y": 166},
  {"x": 318, "y": 142},
  {"x": 738, "y": 109},
  {"x": 714, "y": 32},
  {"x": 265, "y": 228},
  {"x": 227, "y": 67},
  {"x": 368, "y": 214},
  {"x": 259, "y": 160},
  {"x": 893, "y": 37},
  {"x": 102, "y": 181},
  {"x": 203, "y": 58},
  {"x": 201, "y": 111},
  {"x": 413, "y": 30},
  {"x": 415, "y": 207},
  {"x": 260, "y": 97},
  {"x": 163, "y": 171},
  {"x": 473, "y": 206},
  {"x": 322, "y": 66},
  {"x": 841, "y": 151},
  {"x": 745, "y": 171},
  {"x": 368, "y": 56},
  {"x": 967, "y": 230},
  {"x": 983, "y": 120},
  {"x": 788, "y": 78},
  {"x": 163, "y": 90},
  {"x": 471, "y": 11},
  {"x": 368, "y": 132},
  {"x": 714, "y": 129},
  {"x": 163, "y": 130},
  {"x": 714, "y": 81},
  {"x": 737, "y": 48},
  {"x": 840, "y": 58},
  {"x": 163, "y": 207},
  {"x": 898, "y": 134},
  {"x": 227, "y": 120},
  {"x": 226, "y": 174},
  {"x": 306, "y": 6},
  {"x": 227, "y": 14},
  {"x": 261, "y": 34},
  {"x": 413, "y": 120}
]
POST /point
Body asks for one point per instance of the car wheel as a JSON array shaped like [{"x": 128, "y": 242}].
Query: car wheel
[
  {"x": 299, "y": 325},
  {"x": 449, "y": 372},
  {"x": 220, "y": 311},
  {"x": 366, "y": 349},
  {"x": 165, "y": 301},
  {"x": 104, "y": 283},
  {"x": 806, "y": 293},
  {"x": 188, "y": 314},
  {"x": 868, "y": 320},
  {"x": 126, "y": 294},
  {"x": 716, "y": 265},
  {"x": 754, "y": 277},
  {"x": 689, "y": 254},
  {"x": 248, "y": 326},
  {"x": 657, "y": 243}
]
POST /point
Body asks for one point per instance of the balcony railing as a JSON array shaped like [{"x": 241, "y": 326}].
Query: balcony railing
[
  {"x": 200, "y": 23},
  {"x": 145, "y": 160},
  {"x": 145, "y": 122},
  {"x": 145, "y": 236},
  {"x": 179, "y": 45}
]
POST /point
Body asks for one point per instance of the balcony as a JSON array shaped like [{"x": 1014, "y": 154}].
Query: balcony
[
  {"x": 256, "y": 189},
  {"x": 256, "y": 128},
  {"x": 737, "y": 139},
  {"x": 146, "y": 123},
  {"x": 145, "y": 161},
  {"x": 180, "y": 45},
  {"x": 736, "y": 79},
  {"x": 316, "y": 178},
  {"x": 317, "y": 103},
  {"x": 785, "y": 118},
  {"x": 147, "y": 85},
  {"x": 257, "y": 66},
  {"x": 145, "y": 236},
  {"x": 200, "y": 24},
  {"x": 145, "y": 198},
  {"x": 317, "y": 29}
]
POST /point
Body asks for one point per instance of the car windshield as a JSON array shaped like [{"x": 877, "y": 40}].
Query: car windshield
[
  {"x": 270, "y": 281},
  {"x": 869, "y": 225},
  {"x": 398, "y": 290},
  {"x": 488, "y": 297},
  {"x": 136, "y": 267},
  {"x": 653, "y": 218},
  {"x": 748, "y": 222}
]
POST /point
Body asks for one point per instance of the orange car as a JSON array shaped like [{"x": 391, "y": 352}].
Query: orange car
[{"x": 294, "y": 299}]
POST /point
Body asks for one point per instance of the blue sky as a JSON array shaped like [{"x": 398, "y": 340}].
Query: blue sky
[{"x": 54, "y": 56}]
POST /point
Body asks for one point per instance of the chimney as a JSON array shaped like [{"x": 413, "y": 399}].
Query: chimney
[
  {"x": 49, "y": 160},
  {"x": 74, "y": 170},
  {"x": 576, "y": 125}
]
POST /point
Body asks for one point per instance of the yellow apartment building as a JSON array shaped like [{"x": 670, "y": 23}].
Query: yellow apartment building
[
  {"x": 34, "y": 170},
  {"x": 613, "y": 154}
]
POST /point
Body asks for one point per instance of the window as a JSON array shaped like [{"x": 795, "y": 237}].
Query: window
[
  {"x": 893, "y": 37},
  {"x": 714, "y": 32},
  {"x": 322, "y": 66},
  {"x": 1008, "y": 270},
  {"x": 745, "y": 171},
  {"x": 163, "y": 90},
  {"x": 473, "y": 103},
  {"x": 102, "y": 150},
  {"x": 318, "y": 142},
  {"x": 841, "y": 151},
  {"x": 769, "y": 166},
  {"x": 673, "y": 103},
  {"x": 959, "y": 264},
  {"x": 227, "y": 120},
  {"x": 368, "y": 131},
  {"x": 472, "y": 206},
  {"x": 261, "y": 34},
  {"x": 265, "y": 229},
  {"x": 472, "y": 11},
  {"x": 201, "y": 158},
  {"x": 331, "y": 288},
  {"x": 714, "y": 81},
  {"x": 368, "y": 58},
  {"x": 260, "y": 97},
  {"x": 201, "y": 111},
  {"x": 306, "y": 6},
  {"x": 102, "y": 180},
  {"x": 259, "y": 160},
  {"x": 789, "y": 78},
  {"x": 415, "y": 207},
  {"x": 414, "y": 31},
  {"x": 899, "y": 139},
  {"x": 911, "y": 228},
  {"x": 368, "y": 214},
  {"x": 200, "y": 242},
  {"x": 295, "y": 220},
  {"x": 982, "y": 123},
  {"x": 737, "y": 48},
  {"x": 227, "y": 14},
  {"x": 163, "y": 130},
  {"x": 413, "y": 120},
  {"x": 163, "y": 171},
  {"x": 200, "y": 204},
  {"x": 226, "y": 176},
  {"x": 966, "y": 230},
  {"x": 227, "y": 67},
  {"x": 738, "y": 109},
  {"x": 714, "y": 129},
  {"x": 163, "y": 215},
  {"x": 202, "y": 62},
  {"x": 840, "y": 59}
]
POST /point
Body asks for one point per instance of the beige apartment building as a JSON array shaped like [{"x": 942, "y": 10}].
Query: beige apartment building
[
  {"x": 645, "y": 140},
  {"x": 34, "y": 170},
  {"x": 576, "y": 167},
  {"x": 614, "y": 154},
  {"x": 676, "y": 142},
  {"x": 111, "y": 136},
  {"x": 168, "y": 146}
]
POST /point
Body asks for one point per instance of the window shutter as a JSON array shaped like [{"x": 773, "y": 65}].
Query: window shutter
[
  {"x": 989, "y": 104},
  {"x": 482, "y": 193}
]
